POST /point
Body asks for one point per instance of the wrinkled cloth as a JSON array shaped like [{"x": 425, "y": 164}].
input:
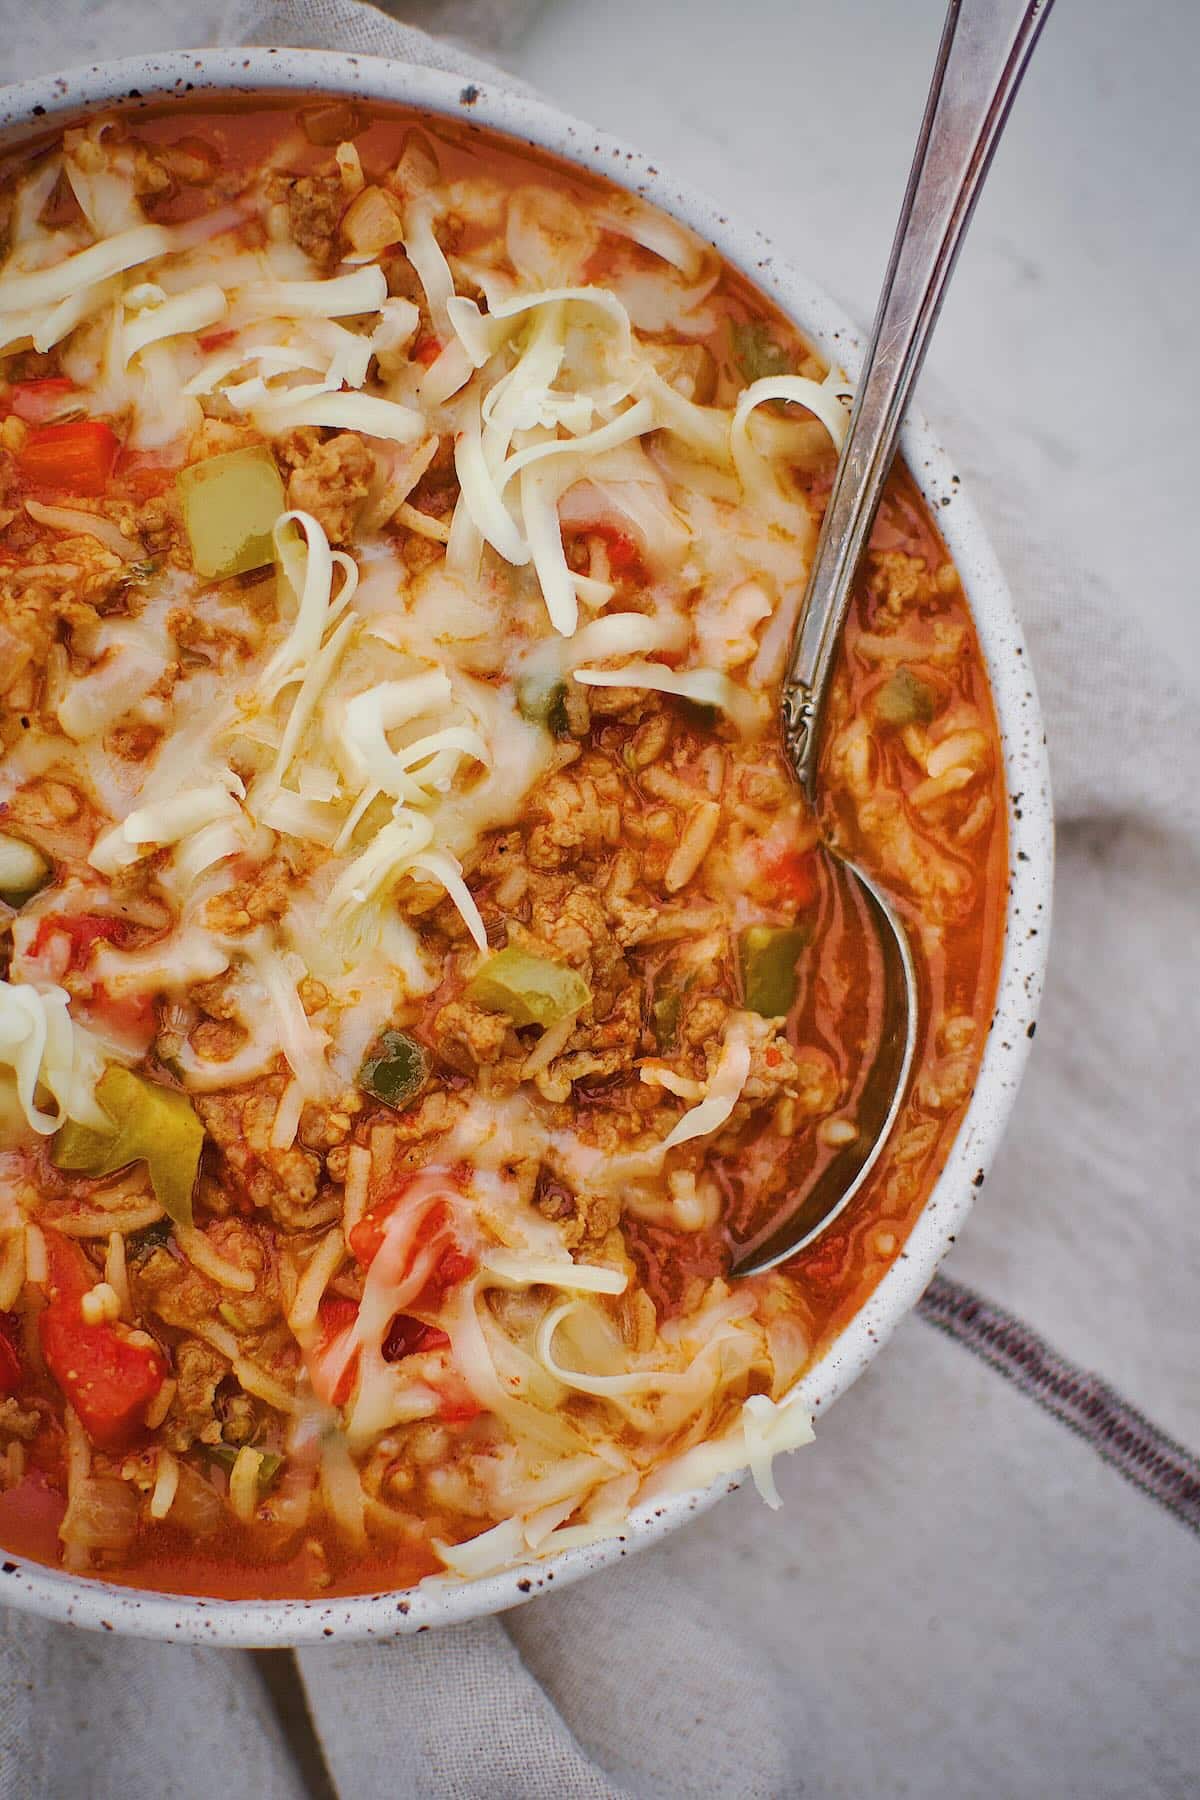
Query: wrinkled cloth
[{"x": 959, "y": 1598}]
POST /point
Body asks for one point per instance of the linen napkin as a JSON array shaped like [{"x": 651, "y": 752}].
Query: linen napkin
[{"x": 983, "y": 1582}]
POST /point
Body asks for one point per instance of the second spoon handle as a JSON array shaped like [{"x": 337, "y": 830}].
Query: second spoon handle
[{"x": 985, "y": 47}]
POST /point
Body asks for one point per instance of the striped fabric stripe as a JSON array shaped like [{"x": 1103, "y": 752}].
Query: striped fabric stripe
[{"x": 1122, "y": 1436}]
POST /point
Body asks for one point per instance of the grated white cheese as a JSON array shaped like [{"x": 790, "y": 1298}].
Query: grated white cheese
[
  {"x": 722, "y": 1091},
  {"x": 49, "y": 1055}
]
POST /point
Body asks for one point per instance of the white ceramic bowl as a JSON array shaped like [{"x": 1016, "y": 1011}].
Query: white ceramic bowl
[{"x": 134, "y": 83}]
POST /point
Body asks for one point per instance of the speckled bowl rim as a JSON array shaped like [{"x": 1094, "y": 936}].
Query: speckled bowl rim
[{"x": 144, "y": 81}]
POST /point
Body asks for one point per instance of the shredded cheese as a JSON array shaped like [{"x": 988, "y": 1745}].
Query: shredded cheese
[
  {"x": 707, "y": 687},
  {"x": 49, "y": 1055},
  {"x": 722, "y": 1091}
]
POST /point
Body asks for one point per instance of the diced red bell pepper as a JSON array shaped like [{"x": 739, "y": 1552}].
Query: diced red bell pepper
[
  {"x": 454, "y": 1265},
  {"x": 624, "y": 551},
  {"x": 77, "y": 457},
  {"x": 427, "y": 351},
  {"x": 10, "y": 1361},
  {"x": 39, "y": 401},
  {"x": 407, "y": 1336},
  {"x": 794, "y": 876},
  {"x": 85, "y": 931},
  {"x": 109, "y": 1374},
  {"x": 366, "y": 1238},
  {"x": 213, "y": 340},
  {"x": 336, "y": 1315}
]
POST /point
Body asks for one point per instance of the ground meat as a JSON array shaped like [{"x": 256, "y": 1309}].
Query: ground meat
[
  {"x": 174, "y": 1290},
  {"x": 217, "y": 1040},
  {"x": 62, "y": 583},
  {"x": 262, "y": 897},
  {"x": 199, "y": 1371},
  {"x": 217, "y": 998},
  {"x": 576, "y": 813},
  {"x": 583, "y": 1218},
  {"x": 466, "y": 1038},
  {"x": 284, "y": 1183},
  {"x": 329, "y": 478},
  {"x": 416, "y": 1129},
  {"x": 573, "y": 920},
  {"x": 701, "y": 1020},
  {"x": 420, "y": 552},
  {"x": 404, "y": 282},
  {"x": 897, "y": 582},
  {"x": 603, "y": 1046},
  {"x": 324, "y": 1127},
  {"x": 17, "y": 1421},
  {"x": 182, "y": 1294},
  {"x": 314, "y": 205},
  {"x": 161, "y": 530}
]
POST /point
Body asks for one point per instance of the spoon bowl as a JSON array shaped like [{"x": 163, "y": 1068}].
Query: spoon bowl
[
  {"x": 882, "y": 1088},
  {"x": 984, "y": 50}
]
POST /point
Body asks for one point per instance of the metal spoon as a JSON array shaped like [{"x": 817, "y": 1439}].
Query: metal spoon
[{"x": 984, "y": 50}]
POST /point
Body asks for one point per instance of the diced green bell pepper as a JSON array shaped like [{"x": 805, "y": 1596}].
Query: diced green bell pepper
[
  {"x": 904, "y": 699},
  {"x": 225, "y": 1455},
  {"x": 532, "y": 990},
  {"x": 23, "y": 870},
  {"x": 664, "y": 1016},
  {"x": 151, "y": 1124},
  {"x": 756, "y": 352},
  {"x": 768, "y": 955},
  {"x": 395, "y": 1070},
  {"x": 230, "y": 505},
  {"x": 542, "y": 699}
]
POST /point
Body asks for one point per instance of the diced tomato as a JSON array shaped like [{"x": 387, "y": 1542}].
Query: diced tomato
[
  {"x": 624, "y": 551},
  {"x": 213, "y": 340},
  {"x": 366, "y": 1238},
  {"x": 407, "y": 1336},
  {"x": 427, "y": 351},
  {"x": 70, "y": 1273},
  {"x": 108, "y": 1373},
  {"x": 10, "y": 1361},
  {"x": 794, "y": 876},
  {"x": 78, "y": 457},
  {"x": 454, "y": 1265},
  {"x": 39, "y": 401},
  {"x": 85, "y": 931},
  {"x": 336, "y": 1315}
]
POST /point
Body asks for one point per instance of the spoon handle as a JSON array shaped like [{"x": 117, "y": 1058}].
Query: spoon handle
[{"x": 985, "y": 47}]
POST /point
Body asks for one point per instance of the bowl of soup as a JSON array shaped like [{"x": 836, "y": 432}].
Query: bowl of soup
[{"x": 421, "y": 970}]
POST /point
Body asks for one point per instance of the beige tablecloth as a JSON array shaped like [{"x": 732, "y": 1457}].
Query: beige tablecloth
[{"x": 985, "y": 1580}]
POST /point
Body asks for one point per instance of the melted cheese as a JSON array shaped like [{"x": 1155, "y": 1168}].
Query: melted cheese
[{"x": 376, "y": 737}]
